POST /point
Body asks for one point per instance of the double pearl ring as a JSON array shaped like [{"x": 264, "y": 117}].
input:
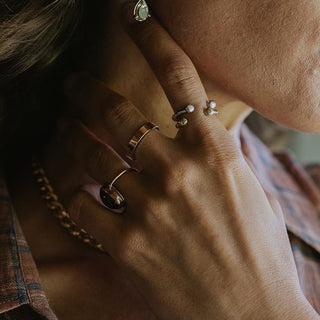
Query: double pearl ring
[{"x": 182, "y": 121}]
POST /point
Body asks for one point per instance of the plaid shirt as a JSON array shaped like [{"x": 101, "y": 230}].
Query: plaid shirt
[{"x": 21, "y": 294}]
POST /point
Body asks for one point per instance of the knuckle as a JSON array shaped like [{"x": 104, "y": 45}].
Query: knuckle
[
  {"x": 119, "y": 112},
  {"x": 179, "y": 72},
  {"x": 97, "y": 158}
]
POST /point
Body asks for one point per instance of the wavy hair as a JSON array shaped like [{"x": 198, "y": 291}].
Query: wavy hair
[{"x": 33, "y": 34}]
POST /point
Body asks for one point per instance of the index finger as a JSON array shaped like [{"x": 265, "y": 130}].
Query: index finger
[{"x": 171, "y": 65}]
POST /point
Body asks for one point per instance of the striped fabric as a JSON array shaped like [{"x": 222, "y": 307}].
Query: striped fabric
[
  {"x": 21, "y": 294},
  {"x": 295, "y": 187}
]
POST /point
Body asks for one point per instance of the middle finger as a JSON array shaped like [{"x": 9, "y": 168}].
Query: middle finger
[{"x": 112, "y": 117}]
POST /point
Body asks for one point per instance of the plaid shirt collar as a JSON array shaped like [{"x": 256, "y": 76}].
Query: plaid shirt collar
[
  {"x": 282, "y": 176},
  {"x": 21, "y": 293},
  {"x": 19, "y": 279}
]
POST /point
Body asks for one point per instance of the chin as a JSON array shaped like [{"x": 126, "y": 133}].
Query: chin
[
  {"x": 286, "y": 93},
  {"x": 297, "y": 107},
  {"x": 302, "y": 117},
  {"x": 277, "y": 73}
]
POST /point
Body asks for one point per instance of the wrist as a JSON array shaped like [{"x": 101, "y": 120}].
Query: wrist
[
  {"x": 296, "y": 310},
  {"x": 289, "y": 304}
]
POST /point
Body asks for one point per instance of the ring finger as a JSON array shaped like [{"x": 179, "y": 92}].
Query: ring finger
[
  {"x": 100, "y": 162},
  {"x": 112, "y": 117}
]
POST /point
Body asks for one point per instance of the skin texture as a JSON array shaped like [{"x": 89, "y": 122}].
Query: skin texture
[
  {"x": 237, "y": 60},
  {"x": 264, "y": 52}
]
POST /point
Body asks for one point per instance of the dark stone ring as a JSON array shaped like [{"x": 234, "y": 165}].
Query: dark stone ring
[{"x": 111, "y": 197}]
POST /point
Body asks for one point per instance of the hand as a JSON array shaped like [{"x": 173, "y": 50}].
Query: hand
[{"x": 200, "y": 238}]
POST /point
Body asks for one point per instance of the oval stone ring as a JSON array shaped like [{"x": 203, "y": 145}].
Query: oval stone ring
[{"x": 111, "y": 197}]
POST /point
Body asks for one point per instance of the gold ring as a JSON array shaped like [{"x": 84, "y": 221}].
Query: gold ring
[{"x": 138, "y": 137}]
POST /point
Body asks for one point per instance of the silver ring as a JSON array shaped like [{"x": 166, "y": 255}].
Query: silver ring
[
  {"x": 179, "y": 116},
  {"x": 111, "y": 197},
  {"x": 211, "y": 108}
]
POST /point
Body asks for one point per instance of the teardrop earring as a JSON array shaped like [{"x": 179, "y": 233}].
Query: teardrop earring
[{"x": 141, "y": 11}]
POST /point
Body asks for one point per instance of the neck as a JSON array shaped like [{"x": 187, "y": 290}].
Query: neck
[{"x": 123, "y": 68}]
